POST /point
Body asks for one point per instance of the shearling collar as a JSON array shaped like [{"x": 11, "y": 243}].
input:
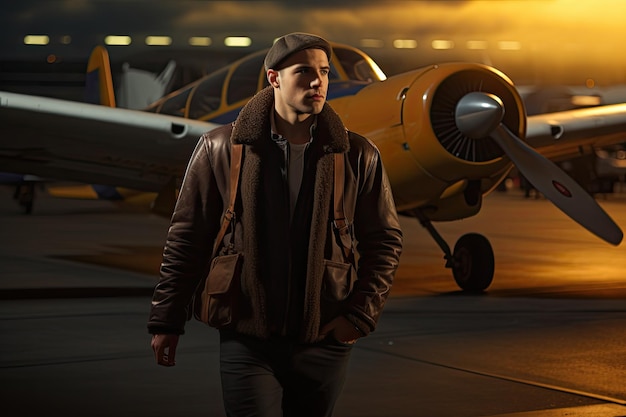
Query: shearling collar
[{"x": 253, "y": 124}]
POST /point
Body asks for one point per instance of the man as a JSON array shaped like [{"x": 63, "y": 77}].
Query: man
[{"x": 287, "y": 353}]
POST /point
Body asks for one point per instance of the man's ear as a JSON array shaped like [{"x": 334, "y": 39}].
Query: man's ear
[{"x": 272, "y": 78}]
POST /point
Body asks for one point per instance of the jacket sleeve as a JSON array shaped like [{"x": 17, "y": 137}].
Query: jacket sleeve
[
  {"x": 188, "y": 246},
  {"x": 379, "y": 241}
]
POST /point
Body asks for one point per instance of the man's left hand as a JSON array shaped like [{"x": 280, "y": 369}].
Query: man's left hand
[{"x": 342, "y": 330}]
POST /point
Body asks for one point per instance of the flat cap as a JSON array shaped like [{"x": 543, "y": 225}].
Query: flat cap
[{"x": 292, "y": 43}]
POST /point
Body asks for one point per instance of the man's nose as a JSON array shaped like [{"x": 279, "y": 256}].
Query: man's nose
[{"x": 317, "y": 80}]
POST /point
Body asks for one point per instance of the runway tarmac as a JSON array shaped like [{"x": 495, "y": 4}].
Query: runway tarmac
[{"x": 547, "y": 339}]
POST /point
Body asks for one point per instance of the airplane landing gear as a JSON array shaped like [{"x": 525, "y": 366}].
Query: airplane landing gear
[
  {"x": 25, "y": 196},
  {"x": 472, "y": 261}
]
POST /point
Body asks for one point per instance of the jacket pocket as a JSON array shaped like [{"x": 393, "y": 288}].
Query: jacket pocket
[
  {"x": 337, "y": 285},
  {"x": 338, "y": 280},
  {"x": 221, "y": 295}
]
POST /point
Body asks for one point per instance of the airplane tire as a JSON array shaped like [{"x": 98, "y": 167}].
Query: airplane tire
[
  {"x": 26, "y": 196},
  {"x": 473, "y": 263}
]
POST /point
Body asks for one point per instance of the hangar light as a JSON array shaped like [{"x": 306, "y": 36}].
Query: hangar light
[
  {"x": 371, "y": 43},
  {"x": 238, "y": 41},
  {"x": 586, "y": 101},
  {"x": 200, "y": 41},
  {"x": 405, "y": 43},
  {"x": 36, "y": 39},
  {"x": 476, "y": 45},
  {"x": 118, "y": 40},
  {"x": 509, "y": 45},
  {"x": 158, "y": 40},
  {"x": 442, "y": 44}
]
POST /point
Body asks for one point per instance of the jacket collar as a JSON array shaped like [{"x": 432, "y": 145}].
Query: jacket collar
[{"x": 253, "y": 124}]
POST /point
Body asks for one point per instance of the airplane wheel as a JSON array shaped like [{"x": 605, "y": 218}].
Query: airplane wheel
[
  {"x": 26, "y": 196},
  {"x": 473, "y": 263}
]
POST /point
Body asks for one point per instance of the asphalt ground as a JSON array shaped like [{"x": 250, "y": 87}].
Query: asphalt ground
[{"x": 547, "y": 339}]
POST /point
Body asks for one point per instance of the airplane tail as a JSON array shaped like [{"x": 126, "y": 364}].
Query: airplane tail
[
  {"x": 138, "y": 89},
  {"x": 99, "y": 82}
]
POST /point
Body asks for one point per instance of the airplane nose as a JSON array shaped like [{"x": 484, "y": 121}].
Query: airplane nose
[
  {"x": 468, "y": 105},
  {"x": 478, "y": 114}
]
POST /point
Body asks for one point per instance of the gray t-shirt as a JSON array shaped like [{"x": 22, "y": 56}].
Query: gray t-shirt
[{"x": 294, "y": 172}]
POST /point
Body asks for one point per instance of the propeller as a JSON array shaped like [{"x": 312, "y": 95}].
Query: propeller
[{"x": 479, "y": 115}]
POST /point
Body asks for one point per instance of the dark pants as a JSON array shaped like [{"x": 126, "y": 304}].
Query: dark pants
[{"x": 279, "y": 377}]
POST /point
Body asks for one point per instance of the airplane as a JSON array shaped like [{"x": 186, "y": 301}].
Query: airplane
[{"x": 448, "y": 135}]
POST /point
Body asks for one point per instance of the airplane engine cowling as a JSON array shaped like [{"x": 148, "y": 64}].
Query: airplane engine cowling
[{"x": 430, "y": 162}]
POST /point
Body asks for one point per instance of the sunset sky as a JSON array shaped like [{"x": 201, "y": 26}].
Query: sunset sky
[{"x": 555, "y": 34}]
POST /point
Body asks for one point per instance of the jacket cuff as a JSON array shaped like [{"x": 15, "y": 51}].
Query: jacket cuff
[{"x": 362, "y": 326}]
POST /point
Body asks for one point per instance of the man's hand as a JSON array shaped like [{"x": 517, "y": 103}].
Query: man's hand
[
  {"x": 164, "y": 347},
  {"x": 342, "y": 330}
]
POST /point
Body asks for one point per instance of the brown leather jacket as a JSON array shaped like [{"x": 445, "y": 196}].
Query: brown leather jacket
[{"x": 295, "y": 278}]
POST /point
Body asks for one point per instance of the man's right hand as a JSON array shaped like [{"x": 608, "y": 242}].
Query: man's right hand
[{"x": 164, "y": 347}]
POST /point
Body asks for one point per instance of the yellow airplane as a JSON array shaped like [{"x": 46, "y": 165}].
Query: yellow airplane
[{"x": 448, "y": 135}]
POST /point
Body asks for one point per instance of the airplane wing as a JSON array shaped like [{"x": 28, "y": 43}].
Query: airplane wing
[
  {"x": 94, "y": 144},
  {"x": 129, "y": 148},
  {"x": 568, "y": 134}
]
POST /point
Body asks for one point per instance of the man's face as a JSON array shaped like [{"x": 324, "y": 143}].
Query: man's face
[{"x": 302, "y": 83}]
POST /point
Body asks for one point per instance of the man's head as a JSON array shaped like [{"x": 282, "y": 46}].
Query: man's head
[
  {"x": 289, "y": 44},
  {"x": 298, "y": 70}
]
